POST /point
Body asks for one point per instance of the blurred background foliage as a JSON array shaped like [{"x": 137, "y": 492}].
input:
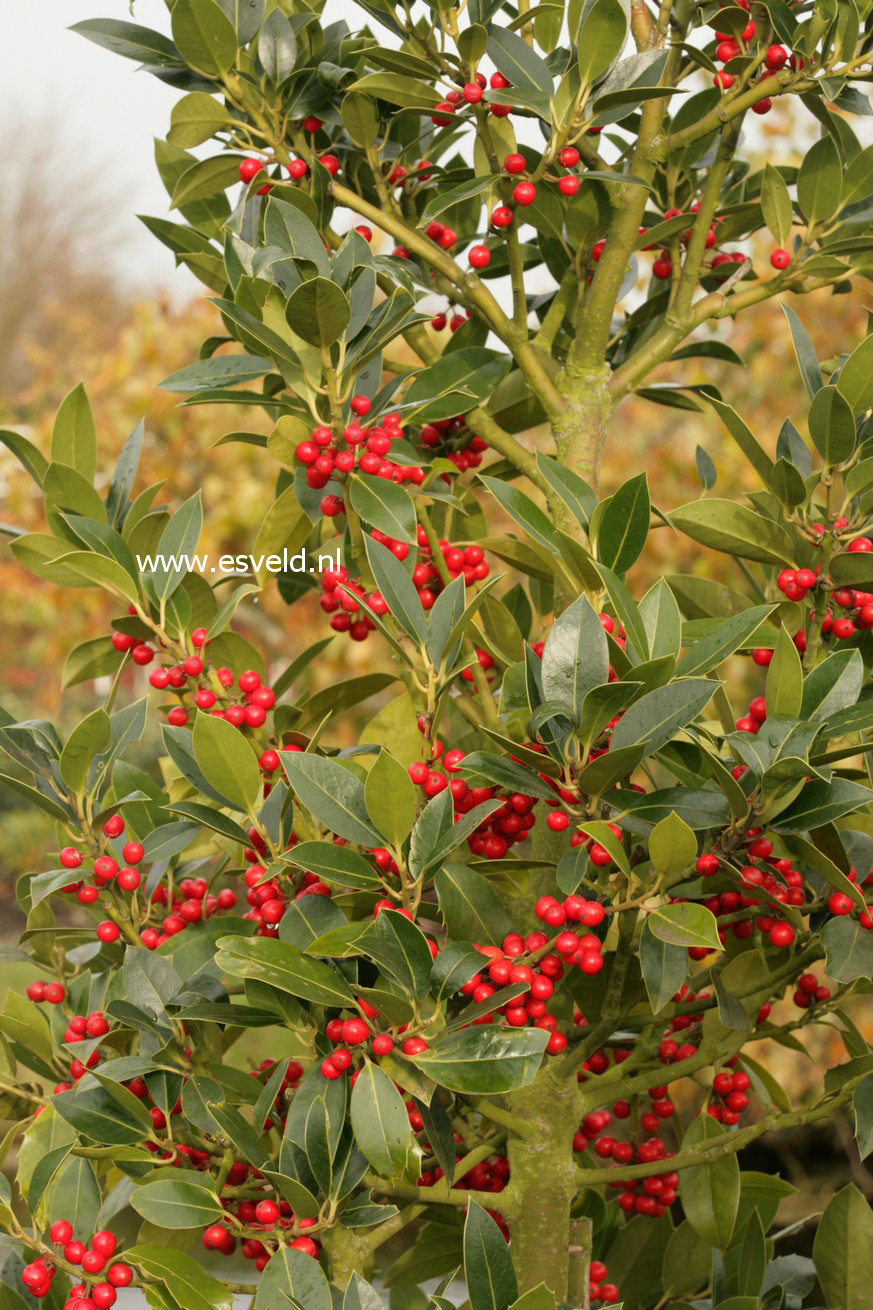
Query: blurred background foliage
[{"x": 66, "y": 316}]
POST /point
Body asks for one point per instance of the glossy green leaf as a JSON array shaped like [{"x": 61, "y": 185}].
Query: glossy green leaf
[
  {"x": 484, "y": 1060},
  {"x": 491, "y": 1281},
  {"x": 182, "y": 1274},
  {"x": 624, "y": 526},
  {"x": 843, "y": 1250},
  {"x": 380, "y": 1122},
  {"x": 283, "y": 966},
  {"x": 171, "y": 1204},
  {"x": 333, "y": 794},
  {"x": 711, "y": 1189},
  {"x": 227, "y": 761},
  {"x": 204, "y": 36},
  {"x": 390, "y": 798}
]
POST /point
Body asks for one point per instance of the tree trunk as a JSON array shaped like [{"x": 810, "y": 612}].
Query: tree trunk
[
  {"x": 581, "y": 432},
  {"x": 545, "y": 1180}
]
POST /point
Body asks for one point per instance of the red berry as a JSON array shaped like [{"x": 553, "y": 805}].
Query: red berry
[{"x": 524, "y": 193}]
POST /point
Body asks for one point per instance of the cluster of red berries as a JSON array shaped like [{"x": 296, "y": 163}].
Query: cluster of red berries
[
  {"x": 94, "y": 1293},
  {"x": 191, "y": 902},
  {"x": 598, "y": 1288},
  {"x": 504, "y": 827},
  {"x": 471, "y": 94},
  {"x": 730, "y": 1090},
  {"x": 246, "y": 708},
  {"x": 268, "y": 900},
  {"x": 650, "y": 1196},
  {"x": 528, "y": 961},
  {"x": 451, "y": 439},
  {"x": 347, "y": 601},
  {"x": 365, "y": 450},
  {"x": 810, "y": 991},
  {"x": 219, "y": 1238}
]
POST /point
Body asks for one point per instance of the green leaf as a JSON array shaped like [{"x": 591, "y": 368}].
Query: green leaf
[
  {"x": 843, "y": 1250},
  {"x": 204, "y": 36},
  {"x": 455, "y": 383},
  {"x": 130, "y": 40},
  {"x": 384, "y": 505},
  {"x": 832, "y": 426},
  {"x": 227, "y": 761},
  {"x": 380, "y": 1122},
  {"x": 455, "y": 195},
  {"x": 292, "y": 1278},
  {"x": 518, "y": 61},
  {"x": 807, "y": 359},
  {"x": 26, "y": 453},
  {"x": 318, "y": 311},
  {"x": 277, "y": 47},
  {"x": 361, "y": 1295},
  {"x": 822, "y": 802},
  {"x": 485, "y": 1060},
  {"x": 217, "y": 371},
  {"x": 455, "y": 965},
  {"x": 360, "y": 118},
  {"x": 573, "y": 490},
  {"x": 505, "y": 773},
  {"x": 169, "y": 1203},
  {"x": 656, "y": 717},
  {"x": 820, "y": 181},
  {"x": 396, "y": 89},
  {"x": 777, "y": 206},
  {"x": 332, "y": 794},
  {"x": 624, "y": 526},
  {"x": 664, "y": 966},
  {"x": 862, "y": 1104},
  {"x": 284, "y": 966},
  {"x": 855, "y": 382},
  {"x": 849, "y": 949},
  {"x": 723, "y": 641},
  {"x": 576, "y": 657},
  {"x": 735, "y": 530},
  {"x": 395, "y": 585},
  {"x": 672, "y": 845},
  {"x": 784, "y": 686},
  {"x": 74, "y": 437},
  {"x": 193, "y": 1288},
  {"x": 400, "y": 950},
  {"x": 86, "y": 741},
  {"x": 116, "y": 1119},
  {"x": 522, "y": 509},
  {"x": 685, "y": 924},
  {"x": 710, "y": 1191},
  {"x": 662, "y": 621},
  {"x": 470, "y": 908},
  {"x": 491, "y": 1281},
  {"x": 195, "y": 119},
  {"x": 390, "y": 798},
  {"x": 178, "y": 542},
  {"x": 745, "y": 439},
  {"x": 96, "y": 571},
  {"x": 334, "y": 863},
  {"x": 601, "y": 37}
]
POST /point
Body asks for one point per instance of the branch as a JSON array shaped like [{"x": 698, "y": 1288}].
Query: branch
[
  {"x": 611, "y": 1008},
  {"x": 484, "y": 426},
  {"x": 726, "y": 1144},
  {"x": 470, "y": 287},
  {"x": 714, "y": 305},
  {"x": 785, "y": 82}
]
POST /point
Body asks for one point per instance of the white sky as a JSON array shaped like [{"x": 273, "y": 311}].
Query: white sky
[{"x": 110, "y": 112}]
